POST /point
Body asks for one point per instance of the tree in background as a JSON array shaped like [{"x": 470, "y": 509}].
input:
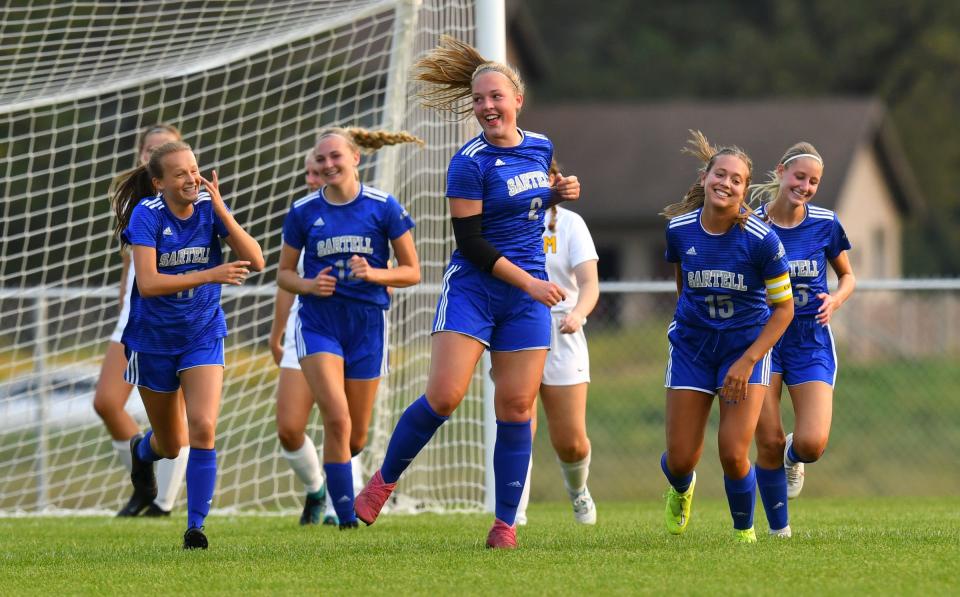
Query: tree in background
[{"x": 906, "y": 52}]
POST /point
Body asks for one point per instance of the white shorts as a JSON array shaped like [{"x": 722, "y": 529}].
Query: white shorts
[
  {"x": 117, "y": 334},
  {"x": 568, "y": 362},
  {"x": 290, "y": 360}
]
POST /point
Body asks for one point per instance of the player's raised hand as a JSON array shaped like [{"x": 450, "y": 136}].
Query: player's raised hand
[
  {"x": 566, "y": 188},
  {"x": 324, "y": 284},
  {"x": 234, "y": 273},
  {"x": 546, "y": 292},
  {"x": 213, "y": 187},
  {"x": 360, "y": 269}
]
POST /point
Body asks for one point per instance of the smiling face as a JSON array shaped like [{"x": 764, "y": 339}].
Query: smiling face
[
  {"x": 496, "y": 104},
  {"x": 153, "y": 141},
  {"x": 336, "y": 161},
  {"x": 799, "y": 180},
  {"x": 725, "y": 183},
  {"x": 312, "y": 174},
  {"x": 180, "y": 180}
]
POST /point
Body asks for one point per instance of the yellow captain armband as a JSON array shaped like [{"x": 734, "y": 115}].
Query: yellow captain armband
[{"x": 778, "y": 289}]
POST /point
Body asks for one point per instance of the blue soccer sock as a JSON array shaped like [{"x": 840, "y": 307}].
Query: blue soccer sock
[
  {"x": 772, "y": 484},
  {"x": 145, "y": 451},
  {"x": 742, "y": 498},
  {"x": 511, "y": 459},
  {"x": 793, "y": 457},
  {"x": 201, "y": 480},
  {"x": 340, "y": 486},
  {"x": 416, "y": 426},
  {"x": 681, "y": 484}
]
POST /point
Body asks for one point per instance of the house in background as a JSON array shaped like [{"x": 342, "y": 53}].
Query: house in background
[{"x": 628, "y": 159}]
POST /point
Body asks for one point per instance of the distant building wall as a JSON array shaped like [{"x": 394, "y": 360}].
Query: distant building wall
[{"x": 868, "y": 213}]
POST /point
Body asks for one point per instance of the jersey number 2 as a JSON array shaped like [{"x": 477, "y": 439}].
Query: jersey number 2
[{"x": 535, "y": 204}]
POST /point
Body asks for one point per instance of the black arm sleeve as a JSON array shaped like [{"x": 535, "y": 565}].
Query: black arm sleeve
[{"x": 478, "y": 250}]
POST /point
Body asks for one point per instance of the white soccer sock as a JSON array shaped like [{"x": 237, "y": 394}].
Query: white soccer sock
[
  {"x": 122, "y": 448},
  {"x": 170, "y": 474},
  {"x": 575, "y": 474},
  {"x": 357, "y": 474},
  {"x": 329, "y": 510},
  {"x": 525, "y": 495},
  {"x": 306, "y": 464}
]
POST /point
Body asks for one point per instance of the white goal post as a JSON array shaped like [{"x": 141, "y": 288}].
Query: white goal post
[{"x": 249, "y": 84}]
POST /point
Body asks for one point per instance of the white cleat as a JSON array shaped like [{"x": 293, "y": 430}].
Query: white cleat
[
  {"x": 784, "y": 533},
  {"x": 521, "y": 519},
  {"x": 794, "y": 472},
  {"x": 584, "y": 509}
]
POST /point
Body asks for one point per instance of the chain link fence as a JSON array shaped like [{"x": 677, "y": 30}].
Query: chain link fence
[{"x": 896, "y": 404}]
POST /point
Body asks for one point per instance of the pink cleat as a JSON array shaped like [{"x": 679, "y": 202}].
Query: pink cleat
[
  {"x": 371, "y": 499},
  {"x": 502, "y": 536}
]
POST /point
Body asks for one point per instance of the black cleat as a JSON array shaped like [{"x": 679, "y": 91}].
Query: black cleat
[
  {"x": 144, "y": 483},
  {"x": 155, "y": 511},
  {"x": 142, "y": 475},
  {"x": 135, "y": 505},
  {"x": 313, "y": 508},
  {"x": 349, "y": 525},
  {"x": 194, "y": 539}
]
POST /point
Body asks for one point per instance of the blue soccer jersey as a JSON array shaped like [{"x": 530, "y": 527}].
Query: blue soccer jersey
[
  {"x": 514, "y": 186},
  {"x": 810, "y": 244},
  {"x": 170, "y": 324},
  {"x": 727, "y": 277},
  {"x": 329, "y": 234}
]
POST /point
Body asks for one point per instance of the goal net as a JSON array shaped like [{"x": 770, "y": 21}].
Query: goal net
[{"x": 249, "y": 84}]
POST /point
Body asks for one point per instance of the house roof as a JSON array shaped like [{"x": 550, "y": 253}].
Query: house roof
[{"x": 628, "y": 158}]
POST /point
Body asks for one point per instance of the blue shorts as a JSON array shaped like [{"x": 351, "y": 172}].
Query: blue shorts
[
  {"x": 806, "y": 353},
  {"x": 502, "y": 317},
  {"x": 161, "y": 372},
  {"x": 353, "y": 330},
  {"x": 700, "y": 357}
]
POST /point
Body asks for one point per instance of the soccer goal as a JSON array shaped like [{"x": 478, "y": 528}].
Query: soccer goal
[{"x": 249, "y": 84}]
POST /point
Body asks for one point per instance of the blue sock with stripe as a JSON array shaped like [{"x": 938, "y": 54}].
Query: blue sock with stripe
[
  {"x": 681, "y": 484},
  {"x": 145, "y": 451},
  {"x": 416, "y": 426},
  {"x": 340, "y": 487},
  {"x": 742, "y": 499},
  {"x": 772, "y": 484},
  {"x": 201, "y": 480},
  {"x": 511, "y": 460}
]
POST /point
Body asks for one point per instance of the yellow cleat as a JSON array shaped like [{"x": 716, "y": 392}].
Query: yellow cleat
[
  {"x": 677, "y": 514},
  {"x": 745, "y": 535}
]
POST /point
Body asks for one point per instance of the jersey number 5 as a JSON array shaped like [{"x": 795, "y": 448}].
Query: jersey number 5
[{"x": 720, "y": 305}]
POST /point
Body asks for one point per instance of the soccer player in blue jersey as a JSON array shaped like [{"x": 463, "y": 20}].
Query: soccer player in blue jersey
[
  {"x": 805, "y": 357},
  {"x": 294, "y": 399},
  {"x": 495, "y": 294},
  {"x": 345, "y": 232},
  {"x": 113, "y": 391},
  {"x": 174, "y": 337},
  {"x": 728, "y": 264}
]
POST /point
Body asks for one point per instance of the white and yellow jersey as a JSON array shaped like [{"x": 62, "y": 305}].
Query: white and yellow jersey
[{"x": 566, "y": 247}]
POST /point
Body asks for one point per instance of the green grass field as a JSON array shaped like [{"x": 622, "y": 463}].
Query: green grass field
[{"x": 854, "y": 546}]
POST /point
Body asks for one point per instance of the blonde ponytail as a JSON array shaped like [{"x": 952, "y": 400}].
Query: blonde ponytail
[
  {"x": 700, "y": 148},
  {"x": 447, "y": 74}
]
